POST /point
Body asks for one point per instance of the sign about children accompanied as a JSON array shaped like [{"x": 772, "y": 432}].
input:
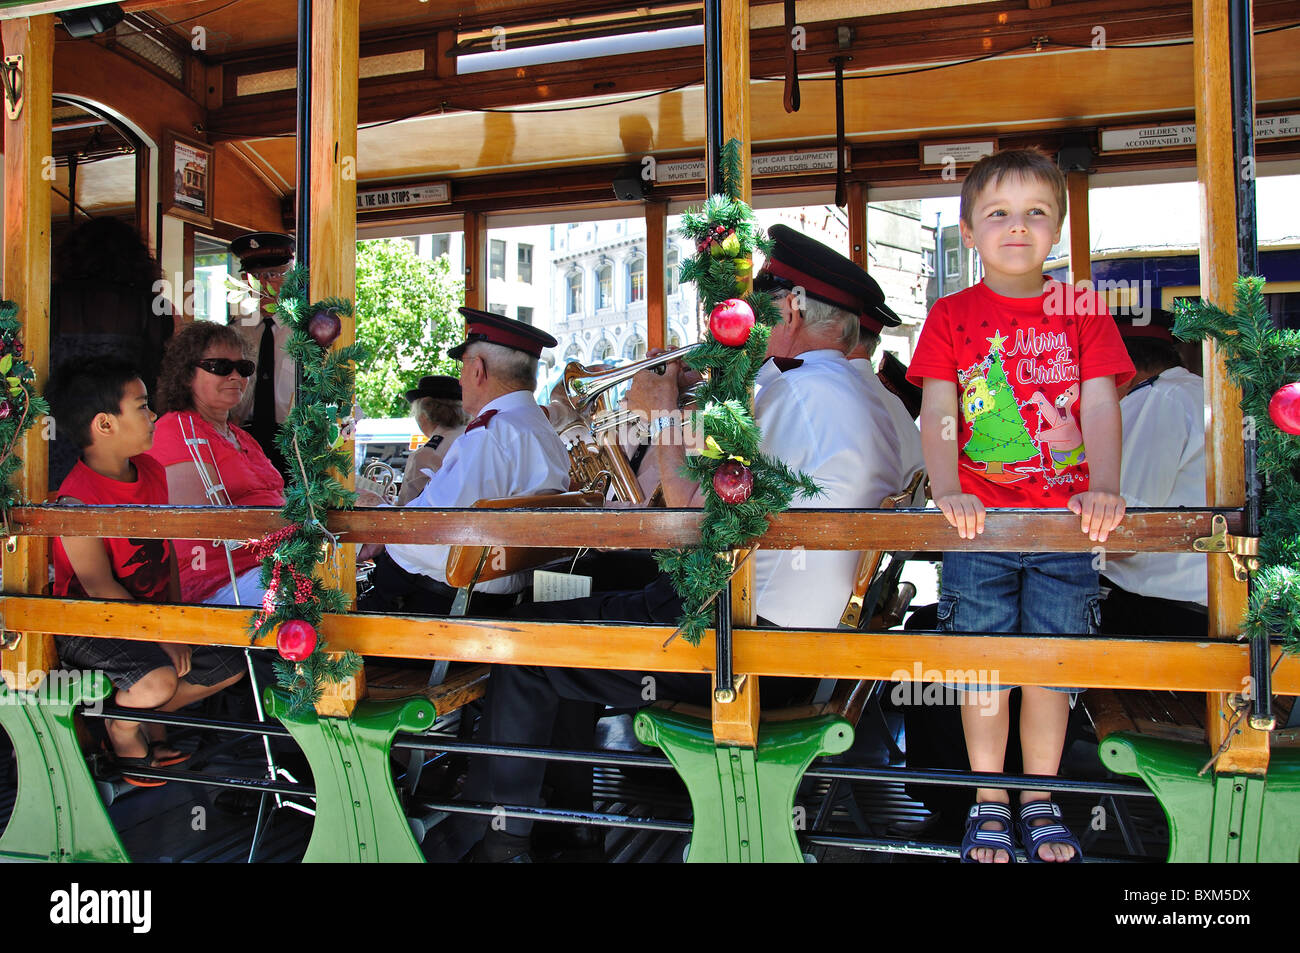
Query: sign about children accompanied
[{"x": 1183, "y": 134}]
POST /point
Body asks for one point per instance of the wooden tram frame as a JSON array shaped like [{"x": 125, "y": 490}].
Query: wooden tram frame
[{"x": 1218, "y": 667}]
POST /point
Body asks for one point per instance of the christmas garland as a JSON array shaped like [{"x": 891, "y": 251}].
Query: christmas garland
[
  {"x": 742, "y": 487},
  {"x": 20, "y": 405},
  {"x": 1265, "y": 363},
  {"x": 312, "y": 440}
]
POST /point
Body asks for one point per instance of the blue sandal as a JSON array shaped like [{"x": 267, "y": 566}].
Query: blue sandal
[
  {"x": 996, "y": 839},
  {"x": 1052, "y": 833}
]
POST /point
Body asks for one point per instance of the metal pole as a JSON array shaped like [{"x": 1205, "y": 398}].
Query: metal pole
[
  {"x": 302, "y": 140},
  {"x": 1243, "y": 149},
  {"x": 713, "y": 97},
  {"x": 714, "y": 185}
]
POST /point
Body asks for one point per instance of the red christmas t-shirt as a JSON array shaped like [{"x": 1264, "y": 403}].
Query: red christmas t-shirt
[
  {"x": 142, "y": 566},
  {"x": 249, "y": 478},
  {"x": 1019, "y": 365}
]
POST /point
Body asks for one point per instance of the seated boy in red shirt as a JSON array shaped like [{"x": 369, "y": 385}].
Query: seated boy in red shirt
[{"x": 104, "y": 408}]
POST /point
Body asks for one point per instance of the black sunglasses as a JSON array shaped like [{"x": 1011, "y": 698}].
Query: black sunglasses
[{"x": 222, "y": 366}]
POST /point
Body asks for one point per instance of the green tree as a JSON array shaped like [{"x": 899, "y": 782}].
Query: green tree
[
  {"x": 998, "y": 432},
  {"x": 406, "y": 316}
]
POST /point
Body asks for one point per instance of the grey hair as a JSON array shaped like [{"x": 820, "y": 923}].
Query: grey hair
[
  {"x": 507, "y": 364},
  {"x": 439, "y": 411},
  {"x": 827, "y": 319},
  {"x": 869, "y": 340}
]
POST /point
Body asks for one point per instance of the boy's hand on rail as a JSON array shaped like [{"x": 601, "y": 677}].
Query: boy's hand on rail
[
  {"x": 1100, "y": 512},
  {"x": 180, "y": 656},
  {"x": 965, "y": 512}
]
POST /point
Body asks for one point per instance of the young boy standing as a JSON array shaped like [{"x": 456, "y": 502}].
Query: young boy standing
[
  {"x": 1019, "y": 377},
  {"x": 104, "y": 408}
]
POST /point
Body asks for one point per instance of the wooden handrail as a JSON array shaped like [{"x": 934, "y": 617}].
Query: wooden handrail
[
  {"x": 1146, "y": 531},
  {"x": 1093, "y": 662}
]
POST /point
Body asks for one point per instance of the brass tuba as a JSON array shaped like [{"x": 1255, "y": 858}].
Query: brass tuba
[{"x": 582, "y": 414}]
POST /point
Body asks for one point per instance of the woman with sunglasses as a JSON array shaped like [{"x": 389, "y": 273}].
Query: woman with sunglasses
[{"x": 204, "y": 376}]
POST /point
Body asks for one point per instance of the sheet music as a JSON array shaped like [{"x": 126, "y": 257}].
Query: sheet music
[{"x": 555, "y": 586}]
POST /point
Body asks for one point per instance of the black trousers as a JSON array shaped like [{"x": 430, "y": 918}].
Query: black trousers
[
  {"x": 523, "y": 702},
  {"x": 395, "y": 590},
  {"x": 1127, "y": 613}
]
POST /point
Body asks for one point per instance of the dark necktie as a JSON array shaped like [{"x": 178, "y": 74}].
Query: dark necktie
[{"x": 264, "y": 390}]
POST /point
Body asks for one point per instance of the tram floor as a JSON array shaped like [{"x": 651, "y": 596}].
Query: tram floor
[{"x": 871, "y": 821}]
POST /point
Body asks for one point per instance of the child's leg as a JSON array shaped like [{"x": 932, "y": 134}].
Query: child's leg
[
  {"x": 981, "y": 593},
  {"x": 1061, "y": 597},
  {"x": 152, "y": 691}
]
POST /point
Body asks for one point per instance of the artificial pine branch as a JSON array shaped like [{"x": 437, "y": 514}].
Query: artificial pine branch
[
  {"x": 725, "y": 419},
  {"x": 1260, "y": 359}
]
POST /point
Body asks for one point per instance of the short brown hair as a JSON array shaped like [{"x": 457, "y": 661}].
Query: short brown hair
[
  {"x": 176, "y": 378},
  {"x": 1023, "y": 163}
]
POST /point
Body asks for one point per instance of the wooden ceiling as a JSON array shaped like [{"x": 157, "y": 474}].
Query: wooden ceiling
[{"x": 419, "y": 119}]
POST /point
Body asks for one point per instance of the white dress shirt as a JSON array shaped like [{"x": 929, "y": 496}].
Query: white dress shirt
[
  {"x": 1163, "y": 464},
  {"x": 812, "y": 421},
  {"x": 906, "y": 432},
  {"x": 249, "y": 328},
  {"x": 517, "y": 453}
]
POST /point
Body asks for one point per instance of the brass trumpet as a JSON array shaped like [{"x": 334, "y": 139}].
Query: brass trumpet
[{"x": 586, "y": 402}]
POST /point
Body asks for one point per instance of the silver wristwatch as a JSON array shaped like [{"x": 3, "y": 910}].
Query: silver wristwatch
[{"x": 660, "y": 424}]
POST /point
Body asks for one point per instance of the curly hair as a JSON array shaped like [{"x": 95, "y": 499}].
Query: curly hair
[{"x": 176, "y": 379}]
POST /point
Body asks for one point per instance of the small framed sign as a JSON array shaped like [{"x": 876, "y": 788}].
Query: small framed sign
[
  {"x": 187, "y": 179},
  {"x": 958, "y": 152}
]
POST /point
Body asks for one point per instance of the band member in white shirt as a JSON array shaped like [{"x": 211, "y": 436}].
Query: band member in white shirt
[
  {"x": 508, "y": 449},
  {"x": 436, "y": 407},
  {"x": 1163, "y": 465},
  {"x": 265, "y": 257}
]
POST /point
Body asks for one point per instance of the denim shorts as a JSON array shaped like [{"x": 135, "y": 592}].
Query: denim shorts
[{"x": 1031, "y": 593}]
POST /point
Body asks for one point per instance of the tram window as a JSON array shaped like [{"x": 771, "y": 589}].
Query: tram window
[
  {"x": 525, "y": 264},
  {"x": 604, "y": 287},
  {"x": 636, "y": 281},
  {"x": 575, "y": 293}
]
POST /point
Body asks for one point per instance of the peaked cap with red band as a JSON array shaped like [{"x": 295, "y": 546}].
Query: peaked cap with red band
[
  {"x": 825, "y": 274},
  {"x": 1157, "y": 325},
  {"x": 494, "y": 329},
  {"x": 262, "y": 250}
]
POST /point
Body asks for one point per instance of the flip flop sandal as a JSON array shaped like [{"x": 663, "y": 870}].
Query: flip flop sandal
[
  {"x": 996, "y": 839},
  {"x": 124, "y": 764},
  {"x": 1051, "y": 833},
  {"x": 157, "y": 762}
]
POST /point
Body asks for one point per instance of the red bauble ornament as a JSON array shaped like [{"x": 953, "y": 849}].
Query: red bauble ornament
[
  {"x": 5, "y": 410},
  {"x": 295, "y": 640},
  {"x": 733, "y": 481},
  {"x": 324, "y": 327},
  {"x": 1284, "y": 408},
  {"x": 731, "y": 321}
]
